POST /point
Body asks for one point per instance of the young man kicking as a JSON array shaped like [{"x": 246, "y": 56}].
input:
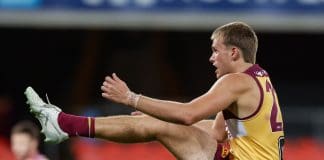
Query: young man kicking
[{"x": 248, "y": 123}]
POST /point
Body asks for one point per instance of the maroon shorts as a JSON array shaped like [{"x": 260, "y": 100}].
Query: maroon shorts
[{"x": 222, "y": 152}]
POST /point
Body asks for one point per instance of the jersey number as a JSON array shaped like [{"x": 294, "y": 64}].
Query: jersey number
[{"x": 275, "y": 126}]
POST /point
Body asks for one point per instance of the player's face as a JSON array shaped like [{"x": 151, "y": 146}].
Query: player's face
[
  {"x": 21, "y": 145},
  {"x": 220, "y": 57}
]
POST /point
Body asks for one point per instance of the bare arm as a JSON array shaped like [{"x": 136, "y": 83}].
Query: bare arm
[
  {"x": 219, "y": 129},
  {"x": 223, "y": 93},
  {"x": 215, "y": 128}
]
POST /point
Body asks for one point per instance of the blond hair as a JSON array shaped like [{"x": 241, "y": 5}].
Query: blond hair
[{"x": 241, "y": 35}]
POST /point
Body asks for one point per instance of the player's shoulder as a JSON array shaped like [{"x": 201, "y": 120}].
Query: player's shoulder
[
  {"x": 237, "y": 81},
  {"x": 236, "y": 78}
]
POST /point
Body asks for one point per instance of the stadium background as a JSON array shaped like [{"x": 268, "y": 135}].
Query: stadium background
[{"x": 161, "y": 48}]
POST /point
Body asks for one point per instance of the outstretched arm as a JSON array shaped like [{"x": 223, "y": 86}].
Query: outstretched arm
[{"x": 223, "y": 93}]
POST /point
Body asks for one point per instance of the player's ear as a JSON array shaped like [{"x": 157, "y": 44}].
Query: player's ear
[{"x": 235, "y": 53}]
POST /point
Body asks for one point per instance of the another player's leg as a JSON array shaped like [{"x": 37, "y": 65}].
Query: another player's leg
[{"x": 185, "y": 142}]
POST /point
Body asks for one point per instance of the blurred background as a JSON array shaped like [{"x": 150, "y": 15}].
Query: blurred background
[{"x": 161, "y": 49}]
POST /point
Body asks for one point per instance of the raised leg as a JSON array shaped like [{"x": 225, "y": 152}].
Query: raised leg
[{"x": 185, "y": 142}]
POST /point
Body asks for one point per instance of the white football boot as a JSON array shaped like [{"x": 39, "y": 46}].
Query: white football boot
[{"x": 47, "y": 115}]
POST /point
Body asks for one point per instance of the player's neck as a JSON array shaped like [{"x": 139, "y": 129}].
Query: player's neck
[
  {"x": 33, "y": 153},
  {"x": 241, "y": 67}
]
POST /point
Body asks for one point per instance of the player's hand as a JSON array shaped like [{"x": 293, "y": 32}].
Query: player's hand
[{"x": 114, "y": 89}]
